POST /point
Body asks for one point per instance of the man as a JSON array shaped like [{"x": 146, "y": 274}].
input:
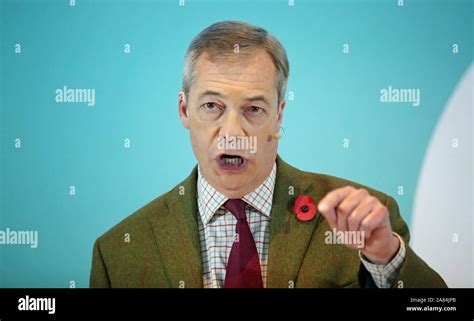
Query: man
[{"x": 245, "y": 218}]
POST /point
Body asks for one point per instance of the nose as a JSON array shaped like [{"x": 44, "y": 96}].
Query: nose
[{"x": 232, "y": 123}]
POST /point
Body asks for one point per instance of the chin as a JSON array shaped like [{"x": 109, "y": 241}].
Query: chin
[{"x": 233, "y": 182}]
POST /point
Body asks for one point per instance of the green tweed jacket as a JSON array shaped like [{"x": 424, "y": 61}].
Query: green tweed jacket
[{"x": 158, "y": 246}]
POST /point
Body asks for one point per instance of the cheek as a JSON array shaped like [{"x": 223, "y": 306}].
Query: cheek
[
  {"x": 264, "y": 140},
  {"x": 202, "y": 137},
  {"x": 196, "y": 126},
  {"x": 266, "y": 144}
]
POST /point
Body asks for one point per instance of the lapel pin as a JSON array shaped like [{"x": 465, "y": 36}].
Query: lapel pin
[{"x": 304, "y": 208}]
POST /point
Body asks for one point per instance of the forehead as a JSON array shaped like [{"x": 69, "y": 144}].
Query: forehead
[{"x": 250, "y": 71}]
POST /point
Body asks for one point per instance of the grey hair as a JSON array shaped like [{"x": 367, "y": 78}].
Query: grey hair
[{"x": 222, "y": 40}]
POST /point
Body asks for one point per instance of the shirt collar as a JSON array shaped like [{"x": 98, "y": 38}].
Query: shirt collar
[{"x": 210, "y": 200}]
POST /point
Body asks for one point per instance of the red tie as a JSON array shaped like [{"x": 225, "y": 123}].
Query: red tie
[{"x": 243, "y": 267}]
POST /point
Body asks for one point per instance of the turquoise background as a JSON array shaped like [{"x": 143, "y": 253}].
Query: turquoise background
[{"x": 336, "y": 97}]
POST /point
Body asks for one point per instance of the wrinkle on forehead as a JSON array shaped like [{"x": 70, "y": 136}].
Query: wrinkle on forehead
[
  {"x": 255, "y": 69},
  {"x": 222, "y": 79}
]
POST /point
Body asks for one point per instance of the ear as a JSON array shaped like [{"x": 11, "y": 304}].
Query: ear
[
  {"x": 183, "y": 109},
  {"x": 280, "y": 112}
]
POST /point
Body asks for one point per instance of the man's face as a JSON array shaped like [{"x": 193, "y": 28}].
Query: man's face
[{"x": 231, "y": 112}]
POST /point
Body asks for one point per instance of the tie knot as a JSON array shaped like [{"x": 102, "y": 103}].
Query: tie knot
[{"x": 237, "y": 207}]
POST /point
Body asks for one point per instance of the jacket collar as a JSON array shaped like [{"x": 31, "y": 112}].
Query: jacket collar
[{"x": 210, "y": 200}]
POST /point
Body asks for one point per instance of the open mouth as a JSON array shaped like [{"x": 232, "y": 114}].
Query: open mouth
[{"x": 231, "y": 162}]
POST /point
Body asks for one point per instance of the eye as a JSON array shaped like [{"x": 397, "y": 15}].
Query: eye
[
  {"x": 255, "y": 110},
  {"x": 211, "y": 107}
]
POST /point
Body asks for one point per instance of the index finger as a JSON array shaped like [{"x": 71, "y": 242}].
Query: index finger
[{"x": 327, "y": 206}]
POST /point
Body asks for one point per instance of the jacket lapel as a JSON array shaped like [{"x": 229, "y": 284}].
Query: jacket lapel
[
  {"x": 289, "y": 237},
  {"x": 177, "y": 236}
]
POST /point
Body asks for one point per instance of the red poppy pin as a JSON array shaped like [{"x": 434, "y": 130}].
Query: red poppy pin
[{"x": 304, "y": 208}]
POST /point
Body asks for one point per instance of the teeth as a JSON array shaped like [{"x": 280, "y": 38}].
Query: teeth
[{"x": 233, "y": 161}]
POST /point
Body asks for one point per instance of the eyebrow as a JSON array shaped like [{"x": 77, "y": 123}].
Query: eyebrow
[
  {"x": 258, "y": 98},
  {"x": 251, "y": 98},
  {"x": 211, "y": 93}
]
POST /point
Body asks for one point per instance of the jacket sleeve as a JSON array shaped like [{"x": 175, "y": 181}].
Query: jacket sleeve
[
  {"x": 414, "y": 272},
  {"x": 99, "y": 277}
]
